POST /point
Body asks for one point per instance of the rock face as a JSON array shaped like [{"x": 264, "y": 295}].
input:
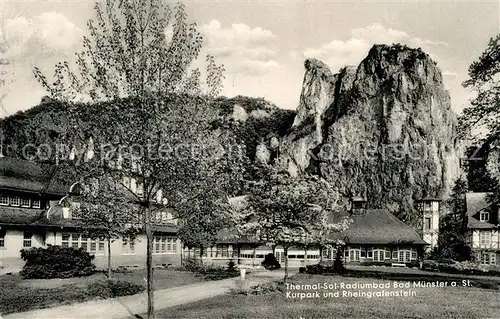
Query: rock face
[{"x": 383, "y": 130}]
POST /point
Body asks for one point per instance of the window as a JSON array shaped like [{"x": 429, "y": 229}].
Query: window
[
  {"x": 387, "y": 254},
  {"x": 27, "y": 239},
  {"x": 222, "y": 251},
  {"x": 413, "y": 254},
  {"x": 312, "y": 256},
  {"x": 485, "y": 238},
  {"x": 363, "y": 253},
  {"x": 427, "y": 223},
  {"x": 369, "y": 253},
  {"x": 164, "y": 244},
  {"x": 65, "y": 240},
  {"x": 96, "y": 246},
  {"x": 75, "y": 241},
  {"x": 14, "y": 201},
  {"x": 404, "y": 256},
  {"x": 84, "y": 244},
  {"x": 91, "y": 245},
  {"x": 4, "y": 200},
  {"x": 395, "y": 254},
  {"x": 128, "y": 245},
  {"x": 35, "y": 203},
  {"x": 2, "y": 238},
  {"x": 354, "y": 254},
  {"x": 378, "y": 254},
  {"x": 25, "y": 202},
  {"x": 488, "y": 258},
  {"x": 485, "y": 258},
  {"x": 484, "y": 216},
  {"x": 427, "y": 206}
]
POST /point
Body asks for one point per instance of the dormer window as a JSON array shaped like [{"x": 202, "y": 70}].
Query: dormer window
[
  {"x": 14, "y": 201},
  {"x": 484, "y": 216}
]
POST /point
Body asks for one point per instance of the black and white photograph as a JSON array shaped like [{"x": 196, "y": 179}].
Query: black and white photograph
[{"x": 260, "y": 159}]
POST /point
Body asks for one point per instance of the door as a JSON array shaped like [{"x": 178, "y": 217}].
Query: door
[
  {"x": 378, "y": 255},
  {"x": 404, "y": 256}
]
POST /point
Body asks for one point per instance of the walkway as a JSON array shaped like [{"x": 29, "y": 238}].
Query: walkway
[{"x": 127, "y": 307}]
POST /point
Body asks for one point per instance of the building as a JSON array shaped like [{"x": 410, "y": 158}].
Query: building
[
  {"x": 482, "y": 228},
  {"x": 36, "y": 211},
  {"x": 429, "y": 208},
  {"x": 376, "y": 236}
]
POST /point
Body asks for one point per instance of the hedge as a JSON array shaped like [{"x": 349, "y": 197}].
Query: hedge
[{"x": 56, "y": 262}]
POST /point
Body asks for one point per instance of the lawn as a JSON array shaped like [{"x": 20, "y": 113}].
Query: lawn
[
  {"x": 17, "y": 295},
  {"x": 429, "y": 303}
]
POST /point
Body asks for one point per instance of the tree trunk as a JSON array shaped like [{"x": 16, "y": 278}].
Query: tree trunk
[
  {"x": 149, "y": 265},
  {"x": 109, "y": 258},
  {"x": 285, "y": 252},
  {"x": 305, "y": 257},
  {"x": 254, "y": 255},
  {"x": 182, "y": 255},
  {"x": 320, "y": 253},
  {"x": 239, "y": 250}
]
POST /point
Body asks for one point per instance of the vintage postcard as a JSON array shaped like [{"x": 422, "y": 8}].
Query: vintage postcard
[{"x": 249, "y": 159}]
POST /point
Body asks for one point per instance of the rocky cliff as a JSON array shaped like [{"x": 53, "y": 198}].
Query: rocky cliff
[{"x": 383, "y": 130}]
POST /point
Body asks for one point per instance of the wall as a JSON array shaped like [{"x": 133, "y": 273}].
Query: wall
[
  {"x": 10, "y": 257},
  {"x": 10, "y": 254}
]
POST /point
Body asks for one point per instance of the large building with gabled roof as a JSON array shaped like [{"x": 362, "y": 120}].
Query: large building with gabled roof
[{"x": 36, "y": 211}]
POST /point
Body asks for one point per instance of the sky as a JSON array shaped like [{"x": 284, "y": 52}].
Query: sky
[{"x": 263, "y": 44}]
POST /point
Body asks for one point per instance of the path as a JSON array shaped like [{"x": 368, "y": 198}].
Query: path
[{"x": 128, "y": 306}]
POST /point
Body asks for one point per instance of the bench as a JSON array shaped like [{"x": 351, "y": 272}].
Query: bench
[{"x": 398, "y": 265}]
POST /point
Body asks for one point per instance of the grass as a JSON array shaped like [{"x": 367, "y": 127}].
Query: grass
[
  {"x": 18, "y": 295},
  {"x": 429, "y": 303}
]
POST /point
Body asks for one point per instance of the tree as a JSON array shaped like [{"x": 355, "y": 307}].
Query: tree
[
  {"x": 288, "y": 211},
  {"x": 483, "y": 79},
  {"x": 130, "y": 64},
  {"x": 103, "y": 203},
  {"x": 128, "y": 53},
  {"x": 452, "y": 243}
]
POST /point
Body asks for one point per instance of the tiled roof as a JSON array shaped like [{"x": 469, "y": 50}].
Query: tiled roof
[
  {"x": 24, "y": 175},
  {"x": 20, "y": 216},
  {"x": 378, "y": 226}
]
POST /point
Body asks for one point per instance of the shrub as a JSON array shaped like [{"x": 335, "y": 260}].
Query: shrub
[
  {"x": 262, "y": 289},
  {"x": 464, "y": 267},
  {"x": 113, "y": 288},
  {"x": 270, "y": 262},
  {"x": 231, "y": 267},
  {"x": 56, "y": 262},
  {"x": 338, "y": 265},
  {"x": 193, "y": 264}
]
